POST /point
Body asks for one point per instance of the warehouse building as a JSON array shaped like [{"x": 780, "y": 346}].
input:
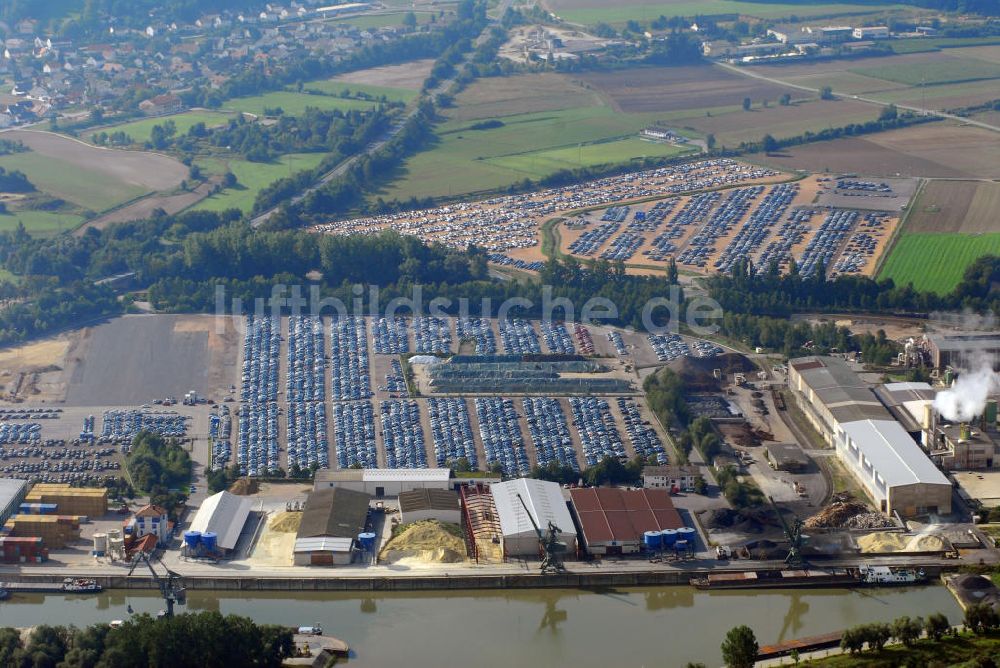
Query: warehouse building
[
  {"x": 429, "y": 504},
  {"x": 382, "y": 483},
  {"x": 881, "y": 455},
  {"x": 961, "y": 350},
  {"x": 613, "y": 520},
  {"x": 910, "y": 404},
  {"x": 225, "y": 515},
  {"x": 545, "y": 501},
  {"x": 12, "y": 493},
  {"x": 330, "y": 525},
  {"x": 88, "y": 501},
  {"x": 786, "y": 457}
]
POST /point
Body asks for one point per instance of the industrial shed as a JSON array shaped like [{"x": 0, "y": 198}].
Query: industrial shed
[
  {"x": 429, "y": 504},
  {"x": 786, "y": 457},
  {"x": 223, "y": 514},
  {"x": 383, "y": 482},
  {"x": 544, "y": 501},
  {"x": 331, "y": 522},
  {"x": 614, "y": 520},
  {"x": 12, "y": 492}
]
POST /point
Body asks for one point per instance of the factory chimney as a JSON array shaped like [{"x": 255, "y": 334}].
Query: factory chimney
[{"x": 964, "y": 434}]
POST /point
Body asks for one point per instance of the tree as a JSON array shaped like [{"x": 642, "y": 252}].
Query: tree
[
  {"x": 739, "y": 649},
  {"x": 981, "y": 618},
  {"x": 710, "y": 141},
  {"x": 229, "y": 180},
  {"x": 889, "y": 113},
  {"x": 770, "y": 144},
  {"x": 746, "y": 104},
  {"x": 826, "y": 93},
  {"x": 410, "y": 20},
  {"x": 878, "y": 635},
  {"x": 907, "y": 630},
  {"x": 700, "y": 485},
  {"x": 936, "y": 625},
  {"x": 785, "y": 100}
]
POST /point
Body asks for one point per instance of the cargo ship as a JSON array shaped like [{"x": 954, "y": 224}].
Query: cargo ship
[
  {"x": 80, "y": 586},
  {"x": 864, "y": 575}
]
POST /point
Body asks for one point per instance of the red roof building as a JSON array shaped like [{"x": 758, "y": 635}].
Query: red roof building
[{"x": 614, "y": 520}]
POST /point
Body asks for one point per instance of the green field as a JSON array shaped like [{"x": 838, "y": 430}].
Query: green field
[
  {"x": 936, "y": 262},
  {"x": 527, "y": 145},
  {"x": 922, "y": 45},
  {"x": 946, "y": 70},
  {"x": 94, "y": 190},
  {"x": 140, "y": 131},
  {"x": 252, "y": 177},
  {"x": 647, "y": 11},
  {"x": 375, "y": 21},
  {"x": 334, "y": 87},
  {"x": 293, "y": 104},
  {"x": 39, "y": 223}
]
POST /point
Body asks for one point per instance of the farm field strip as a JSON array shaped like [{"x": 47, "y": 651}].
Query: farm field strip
[
  {"x": 936, "y": 262},
  {"x": 594, "y": 11},
  {"x": 39, "y": 223},
  {"x": 943, "y": 70},
  {"x": 293, "y": 104}
]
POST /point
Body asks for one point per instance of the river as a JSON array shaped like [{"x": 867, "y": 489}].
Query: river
[{"x": 657, "y": 626}]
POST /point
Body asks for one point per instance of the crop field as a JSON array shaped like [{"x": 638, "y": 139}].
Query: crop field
[
  {"x": 540, "y": 163},
  {"x": 989, "y": 53},
  {"x": 594, "y": 11},
  {"x": 140, "y": 131},
  {"x": 39, "y": 223},
  {"x": 936, "y": 262},
  {"x": 505, "y": 96},
  {"x": 335, "y": 87},
  {"x": 933, "y": 150},
  {"x": 941, "y": 70},
  {"x": 293, "y": 104},
  {"x": 410, "y": 76},
  {"x": 254, "y": 176},
  {"x": 959, "y": 207},
  {"x": 375, "y": 21}
]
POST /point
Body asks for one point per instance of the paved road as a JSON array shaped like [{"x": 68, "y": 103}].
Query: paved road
[
  {"x": 384, "y": 139},
  {"x": 926, "y": 112}
]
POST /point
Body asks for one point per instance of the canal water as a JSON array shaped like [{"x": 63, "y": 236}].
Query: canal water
[{"x": 657, "y": 626}]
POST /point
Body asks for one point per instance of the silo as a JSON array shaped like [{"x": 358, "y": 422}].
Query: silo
[
  {"x": 686, "y": 533},
  {"x": 367, "y": 541},
  {"x": 100, "y": 543},
  {"x": 653, "y": 540},
  {"x": 209, "y": 539},
  {"x": 191, "y": 539},
  {"x": 991, "y": 413},
  {"x": 668, "y": 537}
]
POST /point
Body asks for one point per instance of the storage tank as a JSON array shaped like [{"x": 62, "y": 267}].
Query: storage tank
[
  {"x": 991, "y": 413},
  {"x": 114, "y": 534},
  {"x": 208, "y": 539},
  {"x": 192, "y": 538},
  {"x": 681, "y": 546},
  {"x": 652, "y": 540},
  {"x": 669, "y": 537},
  {"x": 367, "y": 541},
  {"x": 686, "y": 533},
  {"x": 100, "y": 543}
]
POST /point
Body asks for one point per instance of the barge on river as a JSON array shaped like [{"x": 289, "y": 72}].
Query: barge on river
[{"x": 861, "y": 576}]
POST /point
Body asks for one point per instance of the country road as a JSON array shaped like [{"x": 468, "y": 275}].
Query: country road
[
  {"x": 386, "y": 137},
  {"x": 926, "y": 112}
]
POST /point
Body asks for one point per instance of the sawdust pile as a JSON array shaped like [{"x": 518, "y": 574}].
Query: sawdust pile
[
  {"x": 245, "y": 487},
  {"x": 285, "y": 522},
  {"x": 428, "y": 542},
  {"x": 835, "y": 515},
  {"x": 882, "y": 542}
]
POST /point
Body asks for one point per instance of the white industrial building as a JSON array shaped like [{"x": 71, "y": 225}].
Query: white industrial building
[
  {"x": 546, "y": 503},
  {"x": 871, "y": 32},
  {"x": 878, "y": 451},
  {"x": 12, "y": 492},
  {"x": 223, "y": 514},
  {"x": 381, "y": 483}
]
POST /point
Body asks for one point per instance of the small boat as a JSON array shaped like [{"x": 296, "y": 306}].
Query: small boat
[
  {"x": 887, "y": 575},
  {"x": 4, "y": 594},
  {"x": 81, "y": 586}
]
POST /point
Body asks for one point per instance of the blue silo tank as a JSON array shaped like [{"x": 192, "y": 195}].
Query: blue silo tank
[
  {"x": 192, "y": 538},
  {"x": 681, "y": 545},
  {"x": 669, "y": 537},
  {"x": 686, "y": 533},
  {"x": 208, "y": 540},
  {"x": 652, "y": 540},
  {"x": 367, "y": 541}
]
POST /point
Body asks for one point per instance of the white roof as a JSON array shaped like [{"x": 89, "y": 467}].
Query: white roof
[
  {"x": 544, "y": 499},
  {"x": 908, "y": 386},
  {"x": 10, "y": 489},
  {"x": 388, "y": 475},
  {"x": 894, "y": 455},
  {"x": 223, "y": 514},
  {"x": 323, "y": 544}
]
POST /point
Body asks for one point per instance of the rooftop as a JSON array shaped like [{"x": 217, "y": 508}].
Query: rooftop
[
  {"x": 613, "y": 514},
  {"x": 223, "y": 514},
  {"x": 382, "y": 475},
  {"x": 895, "y": 456},
  {"x": 784, "y": 454},
  {"x": 967, "y": 340},
  {"x": 334, "y": 513},
  {"x": 428, "y": 499},
  {"x": 10, "y": 489},
  {"x": 544, "y": 499}
]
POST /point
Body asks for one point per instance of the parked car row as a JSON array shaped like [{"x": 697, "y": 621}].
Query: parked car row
[
  {"x": 261, "y": 346},
  {"x": 395, "y": 381},
  {"x": 789, "y": 234},
  {"x": 518, "y": 337},
  {"x": 594, "y": 422},
  {"x": 616, "y": 214},
  {"x": 222, "y": 455},
  {"x": 623, "y": 247},
  {"x": 643, "y": 437},
  {"x": 827, "y": 240},
  {"x": 121, "y": 426},
  {"x": 549, "y": 432},
  {"x": 500, "y": 432},
  {"x": 24, "y": 432},
  {"x": 557, "y": 339},
  {"x": 651, "y": 220},
  {"x": 306, "y": 431},
  {"x": 403, "y": 435},
  {"x": 752, "y": 234},
  {"x": 390, "y": 336},
  {"x": 694, "y": 211},
  {"x": 706, "y": 349},
  {"x": 517, "y": 263},
  {"x": 618, "y": 342},
  {"x": 432, "y": 335},
  {"x": 349, "y": 364},
  {"x": 354, "y": 435},
  {"x": 668, "y": 347},
  {"x": 731, "y": 210},
  {"x": 478, "y": 330},
  {"x": 451, "y": 431},
  {"x": 257, "y": 450},
  {"x": 588, "y": 242},
  {"x": 306, "y": 359},
  {"x": 584, "y": 341}
]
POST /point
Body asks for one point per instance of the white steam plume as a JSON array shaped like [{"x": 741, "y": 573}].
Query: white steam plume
[{"x": 966, "y": 399}]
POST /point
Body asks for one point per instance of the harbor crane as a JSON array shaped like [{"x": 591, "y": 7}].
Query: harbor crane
[
  {"x": 552, "y": 548},
  {"x": 169, "y": 584},
  {"x": 796, "y": 539}
]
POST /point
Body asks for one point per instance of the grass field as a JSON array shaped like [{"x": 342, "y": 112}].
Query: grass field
[
  {"x": 936, "y": 262},
  {"x": 293, "y": 104},
  {"x": 594, "y": 11},
  {"x": 334, "y": 87},
  {"x": 140, "y": 131},
  {"x": 39, "y": 223},
  {"x": 941, "y": 71},
  {"x": 958, "y": 651},
  {"x": 937, "y": 43},
  {"x": 536, "y": 164},
  {"x": 374, "y": 21},
  {"x": 252, "y": 177},
  {"x": 90, "y": 189}
]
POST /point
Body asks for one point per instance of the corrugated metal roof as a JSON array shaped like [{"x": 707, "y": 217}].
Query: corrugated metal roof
[
  {"x": 334, "y": 512},
  {"x": 428, "y": 499},
  {"x": 383, "y": 475},
  {"x": 223, "y": 514},
  {"x": 611, "y": 514},
  {"x": 323, "y": 544},
  {"x": 544, "y": 499},
  {"x": 894, "y": 455},
  {"x": 10, "y": 489}
]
